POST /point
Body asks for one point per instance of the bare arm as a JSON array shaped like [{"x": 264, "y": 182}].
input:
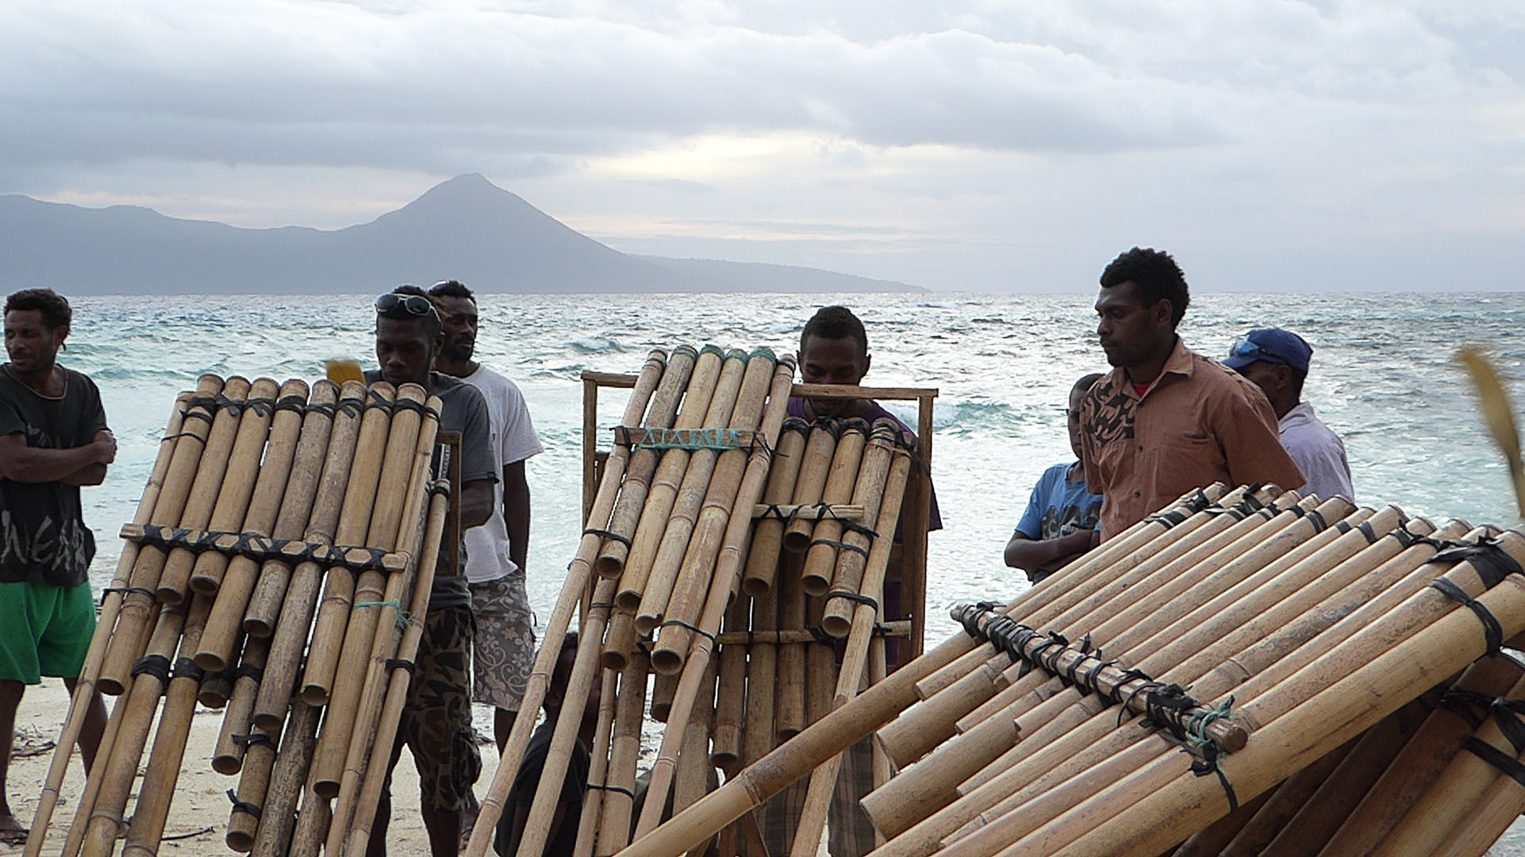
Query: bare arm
[
  {"x": 476, "y": 503},
  {"x": 21, "y": 463},
  {"x": 1039, "y": 556},
  {"x": 516, "y": 512}
]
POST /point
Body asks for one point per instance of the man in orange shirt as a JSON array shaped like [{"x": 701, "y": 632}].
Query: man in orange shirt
[{"x": 1165, "y": 420}]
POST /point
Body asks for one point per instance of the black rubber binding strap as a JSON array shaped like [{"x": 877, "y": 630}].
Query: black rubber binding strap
[
  {"x": 253, "y": 739},
  {"x": 1366, "y": 530},
  {"x": 198, "y": 414},
  {"x": 1490, "y": 560},
  {"x": 1404, "y": 537},
  {"x": 400, "y": 664},
  {"x": 1493, "y": 632},
  {"x": 855, "y": 597},
  {"x": 186, "y": 668},
  {"x": 1207, "y": 763},
  {"x": 1320, "y": 523},
  {"x": 325, "y": 409},
  {"x": 374, "y": 399},
  {"x": 260, "y": 405},
  {"x": 206, "y": 403},
  {"x": 695, "y": 628},
  {"x": 351, "y": 407},
  {"x": 841, "y": 546},
  {"x": 616, "y": 789},
  {"x": 295, "y": 404},
  {"x": 608, "y": 534},
  {"x": 821, "y": 636},
  {"x": 154, "y": 665},
  {"x": 854, "y": 527},
  {"x": 421, "y": 408},
  {"x": 249, "y": 671},
  {"x": 1169, "y": 519},
  {"x": 253, "y": 809},
  {"x": 1506, "y": 713},
  {"x": 1342, "y": 527},
  {"x": 773, "y": 510},
  {"x": 229, "y": 406},
  {"x": 1469, "y": 705}
]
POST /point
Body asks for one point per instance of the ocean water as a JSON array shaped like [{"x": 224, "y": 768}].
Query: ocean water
[{"x": 1384, "y": 377}]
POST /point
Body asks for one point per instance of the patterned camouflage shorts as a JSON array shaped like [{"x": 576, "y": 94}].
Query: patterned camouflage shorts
[
  {"x": 436, "y": 722},
  {"x": 504, "y": 650}
]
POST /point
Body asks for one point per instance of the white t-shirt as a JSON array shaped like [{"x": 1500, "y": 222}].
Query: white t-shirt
[
  {"x": 1319, "y": 453},
  {"x": 513, "y": 440}
]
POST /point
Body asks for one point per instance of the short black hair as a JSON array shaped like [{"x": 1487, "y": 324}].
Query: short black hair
[
  {"x": 1155, "y": 277},
  {"x": 54, "y": 307},
  {"x": 1086, "y": 382},
  {"x": 432, "y": 325},
  {"x": 834, "y": 322},
  {"x": 451, "y": 289},
  {"x": 1296, "y": 380}
]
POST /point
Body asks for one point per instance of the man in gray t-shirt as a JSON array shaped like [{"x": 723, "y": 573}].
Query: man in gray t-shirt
[{"x": 436, "y": 722}]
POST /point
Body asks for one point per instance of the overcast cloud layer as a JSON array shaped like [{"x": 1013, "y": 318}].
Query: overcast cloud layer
[{"x": 1271, "y": 145}]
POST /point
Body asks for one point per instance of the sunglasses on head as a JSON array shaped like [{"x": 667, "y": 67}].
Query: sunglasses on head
[
  {"x": 1243, "y": 347},
  {"x": 393, "y": 305}
]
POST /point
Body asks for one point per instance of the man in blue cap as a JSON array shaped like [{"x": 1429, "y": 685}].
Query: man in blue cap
[{"x": 1277, "y": 361}]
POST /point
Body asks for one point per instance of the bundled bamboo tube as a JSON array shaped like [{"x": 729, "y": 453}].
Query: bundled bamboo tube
[
  {"x": 85, "y": 685},
  {"x": 133, "y": 617},
  {"x": 712, "y": 520},
  {"x": 694, "y": 772},
  {"x": 678, "y": 524},
  {"x": 354, "y": 520},
  {"x": 328, "y": 418},
  {"x": 869, "y": 492},
  {"x": 598, "y": 769},
  {"x": 820, "y": 668},
  {"x": 216, "y": 688},
  {"x": 810, "y": 485},
  {"x": 216, "y": 462},
  {"x": 662, "y": 491},
  {"x": 234, "y": 579},
  {"x": 762, "y": 679},
  {"x": 235, "y": 737},
  {"x": 624, "y": 752},
  {"x": 578, "y": 573},
  {"x": 1415, "y": 767},
  {"x": 1283, "y": 802},
  {"x": 826, "y": 533},
  {"x": 643, "y": 460},
  {"x": 731, "y": 699},
  {"x": 294, "y": 624},
  {"x": 789, "y": 690},
  {"x": 287, "y": 781},
  {"x": 1494, "y": 814},
  {"x": 664, "y": 687},
  {"x": 768, "y": 534},
  {"x": 253, "y": 785},
  {"x": 400, "y": 476}
]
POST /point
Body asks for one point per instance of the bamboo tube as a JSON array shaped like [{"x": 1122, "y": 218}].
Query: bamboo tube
[
  {"x": 1388, "y": 675},
  {"x": 216, "y": 688},
  {"x": 1420, "y": 761},
  {"x": 174, "y": 727},
  {"x": 543, "y": 808},
  {"x": 309, "y": 465},
  {"x": 598, "y": 770},
  {"x": 578, "y": 573},
  {"x": 118, "y": 772},
  {"x": 1461, "y": 786},
  {"x": 620, "y": 641},
  {"x": 821, "y": 556},
  {"x": 233, "y": 579},
  {"x": 679, "y": 523},
  {"x": 663, "y": 687},
  {"x": 253, "y": 785},
  {"x": 731, "y": 699},
  {"x": 361, "y": 787},
  {"x": 762, "y": 679},
  {"x": 815, "y": 466},
  {"x": 216, "y": 463},
  {"x": 1490, "y": 817},
  {"x": 820, "y": 668},
  {"x": 712, "y": 519},
  {"x": 624, "y": 752},
  {"x": 401, "y": 484},
  {"x": 662, "y": 491},
  {"x": 354, "y": 519},
  {"x": 235, "y": 499},
  {"x": 1337, "y": 797},
  {"x": 768, "y": 534},
  {"x": 288, "y": 783},
  {"x": 111, "y": 602},
  {"x": 148, "y": 561},
  {"x": 694, "y": 771},
  {"x": 232, "y": 743},
  {"x": 1283, "y": 802},
  {"x": 869, "y": 493},
  {"x": 789, "y": 690},
  {"x": 643, "y": 461},
  {"x": 294, "y": 624},
  {"x": 1209, "y": 841}
]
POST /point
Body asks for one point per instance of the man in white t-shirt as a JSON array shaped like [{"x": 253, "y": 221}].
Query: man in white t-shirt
[{"x": 504, "y": 648}]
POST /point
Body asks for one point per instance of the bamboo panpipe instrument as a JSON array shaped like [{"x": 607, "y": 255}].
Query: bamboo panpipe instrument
[
  {"x": 111, "y": 602},
  {"x": 662, "y": 491},
  {"x": 870, "y": 492},
  {"x": 712, "y": 522},
  {"x": 294, "y": 618},
  {"x": 174, "y": 728},
  {"x": 598, "y": 770},
  {"x": 768, "y": 534},
  {"x": 678, "y": 524},
  {"x": 362, "y": 780},
  {"x": 1415, "y": 767},
  {"x": 789, "y": 690},
  {"x": 329, "y": 419},
  {"x": 236, "y": 735},
  {"x": 578, "y": 573},
  {"x": 354, "y": 521},
  {"x": 820, "y": 668},
  {"x": 275, "y": 490},
  {"x": 133, "y": 619},
  {"x": 692, "y": 776},
  {"x": 761, "y": 664},
  {"x": 756, "y": 637},
  {"x": 1436, "y": 641},
  {"x": 826, "y": 533},
  {"x": 643, "y": 460},
  {"x": 175, "y": 577},
  {"x": 287, "y": 781},
  {"x": 624, "y": 753},
  {"x": 253, "y": 786},
  {"x": 400, "y": 487},
  {"x": 216, "y": 688},
  {"x": 1493, "y": 815},
  {"x": 664, "y": 686},
  {"x": 810, "y": 483},
  {"x": 731, "y": 699},
  {"x": 793, "y": 760},
  {"x": 1282, "y": 803}
]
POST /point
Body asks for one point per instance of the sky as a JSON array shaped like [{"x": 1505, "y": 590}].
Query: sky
[{"x": 962, "y": 145}]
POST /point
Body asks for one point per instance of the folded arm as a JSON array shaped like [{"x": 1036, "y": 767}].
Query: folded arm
[{"x": 80, "y": 465}]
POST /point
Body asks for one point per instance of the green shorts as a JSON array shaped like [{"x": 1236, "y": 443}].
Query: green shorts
[{"x": 44, "y": 630}]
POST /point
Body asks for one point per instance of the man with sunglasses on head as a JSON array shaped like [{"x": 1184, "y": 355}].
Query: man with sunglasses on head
[
  {"x": 1165, "y": 420},
  {"x": 1277, "y": 361},
  {"x": 436, "y": 720}
]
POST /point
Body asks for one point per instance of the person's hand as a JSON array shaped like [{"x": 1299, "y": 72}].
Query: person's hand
[{"x": 105, "y": 446}]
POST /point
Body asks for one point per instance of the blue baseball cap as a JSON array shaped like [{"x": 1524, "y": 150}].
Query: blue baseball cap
[{"x": 1273, "y": 345}]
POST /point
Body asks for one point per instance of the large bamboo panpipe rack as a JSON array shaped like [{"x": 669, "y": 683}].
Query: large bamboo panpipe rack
[
  {"x": 703, "y": 521},
  {"x": 261, "y": 492},
  {"x": 1245, "y": 672}
]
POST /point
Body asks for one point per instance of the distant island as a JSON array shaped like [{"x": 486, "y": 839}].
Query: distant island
[{"x": 466, "y": 228}]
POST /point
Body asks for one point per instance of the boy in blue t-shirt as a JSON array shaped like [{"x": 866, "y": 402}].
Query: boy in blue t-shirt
[{"x": 1061, "y": 519}]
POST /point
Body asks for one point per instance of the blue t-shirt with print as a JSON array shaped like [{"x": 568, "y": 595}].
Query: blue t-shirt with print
[{"x": 1059, "y": 507}]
